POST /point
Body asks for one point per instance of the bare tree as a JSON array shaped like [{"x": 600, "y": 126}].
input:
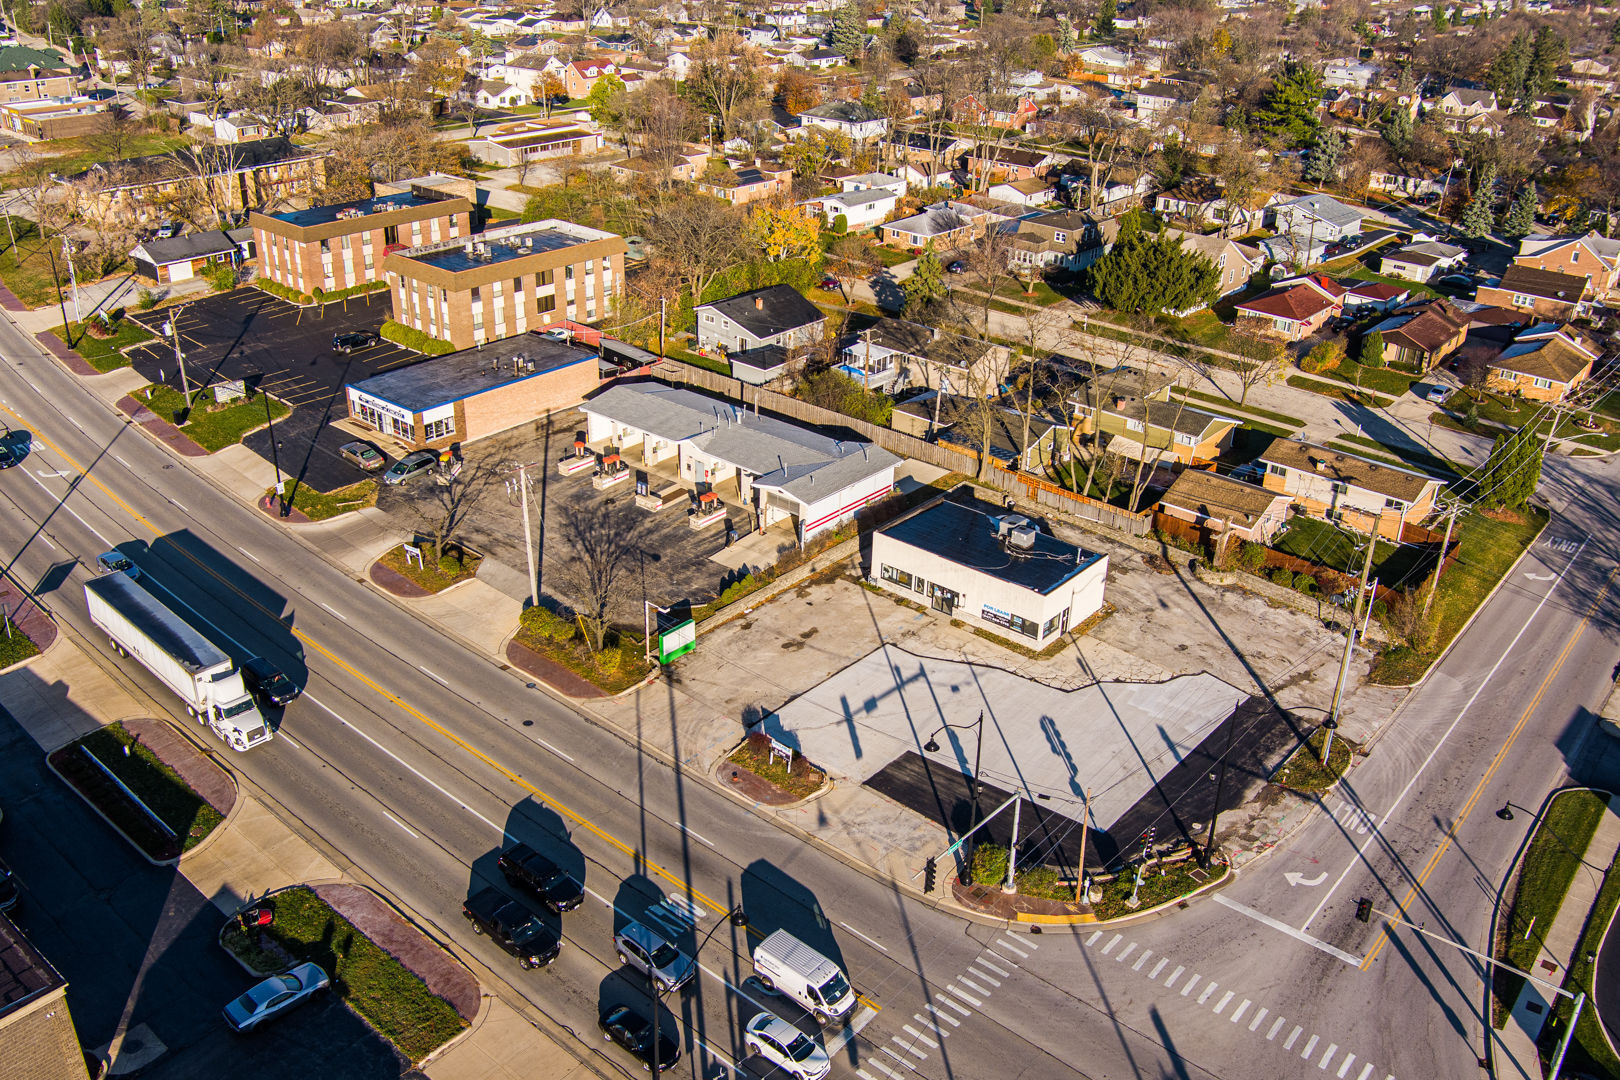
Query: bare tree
[
  {"x": 1264, "y": 361},
  {"x": 443, "y": 507},
  {"x": 600, "y": 552},
  {"x": 703, "y": 237},
  {"x": 726, "y": 73},
  {"x": 989, "y": 260}
]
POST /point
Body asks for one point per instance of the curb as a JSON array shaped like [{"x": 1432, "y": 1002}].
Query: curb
[{"x": 173, "y": 863}]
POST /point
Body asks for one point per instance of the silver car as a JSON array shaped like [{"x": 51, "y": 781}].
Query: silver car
[
  {"x": 643, "y": 949},
  {"x": 410, "y": 465},
  {"x": 274, "y": 996}
]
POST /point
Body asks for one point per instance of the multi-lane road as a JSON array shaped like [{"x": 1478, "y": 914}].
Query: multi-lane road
[{"x": 415, "y": 760}]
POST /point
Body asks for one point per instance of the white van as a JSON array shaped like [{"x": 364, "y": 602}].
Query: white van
[{"x": 784, "y": 963}]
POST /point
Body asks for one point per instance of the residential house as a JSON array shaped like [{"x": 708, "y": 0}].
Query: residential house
[
  {"x": 775, "y": 315},
  {"x": 581, "y": 76},
  {"x": 1376, "y": 295},
  {"x": 1349, "y": 74},
  {"x": 499, "y": 95},
  {"x": 1412, "y": 182},
  {"x": 1007, "y": 162},
  {"x": 818, "y": 59},
  {"x": 1420, "y": 337},
  {"x": 1161, "y": 433},
  {"x": 860, "y": 209},
  {"x": 893, "y": 354},
  {"x": 1544, "y": 363},
  {"x": 1321, "y": 218},
  {"x": 1464, "y": 104},
  {"x": 969, "y": 110},
  {"x": 684, "y": 166},
  {"x": 876, "y": 181},
  {"x": 1293, "y": 311},
  {"x": 964, "y": 421},
  {"x": 851, "y": 119},
  {"x": 1032, "y": 192},
  {"x": 946, "y": 224},
  {"x": 1156, "y": 101},
  {"x": 1544, "y": 293},
  {"x": 1222, "y": 506},
  {"x": 1592, "y": 256},
  {"x": 1065, "y": 240},
  {"x": 28, "y": 74},
  {"x": 184, "y": 257},
  {"x": 1348, "y": 490},
  {"x": 739, "y": 187},
  {"x": 1235, "y": 263},
  {"x": 1421, "y": 262}
]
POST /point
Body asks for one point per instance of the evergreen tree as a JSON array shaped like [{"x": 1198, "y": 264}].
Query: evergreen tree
[
  {"x": 1371, "y": 353},
  {"x": 1513, "y": 471},
  {"x": 1521, "y": 216},
  {"x": 1067, "y": 39},
  {"x": 1547, "y": 55},
  {"x": 1105, "y": 18},
  {"x": 1476, "y": 216},
  {"x": 1438, "y": 17},
  {"x": 849, "y": 31},
  {"x": 927, "y": 281},
  {"x": 1508, "y": 71},
  {"x": 1397, "y": 130},
  {"x": 1323, "y": 160},
  {"x": 1288, "y": 113},
  {"x": 1151, "y": 274}
]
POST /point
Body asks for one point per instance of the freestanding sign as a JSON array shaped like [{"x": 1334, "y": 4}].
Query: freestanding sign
[{"x": 677, "y": 641}]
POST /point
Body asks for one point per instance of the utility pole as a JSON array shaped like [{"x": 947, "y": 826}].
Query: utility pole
[
  {"x": 528, "y": 536},
  {"x": 67, "y": 334},
  {"x": 1445, "y": 545},
  {"x": 661, "y": 305},
  {"x": 1350, "y": 632},
  {"x": 67, "y": 253},
  {"x": 1080, "y": 867},
  {"x": 173, "y": 327},
  {"x": 1012, "y": 850}
]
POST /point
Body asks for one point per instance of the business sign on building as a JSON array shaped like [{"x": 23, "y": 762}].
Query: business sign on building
[
  {"x": 677, "y": 641},
  {"x": 363, "y": 401}
]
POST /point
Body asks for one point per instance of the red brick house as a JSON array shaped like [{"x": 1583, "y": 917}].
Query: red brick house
[{"x": 1294, "y": 310}]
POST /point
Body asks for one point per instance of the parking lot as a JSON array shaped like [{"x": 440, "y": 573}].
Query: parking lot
[{"x": 285, "y": 351}]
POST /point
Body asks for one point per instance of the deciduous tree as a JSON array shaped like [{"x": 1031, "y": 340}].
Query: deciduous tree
[{"x": 785, "y": 232}]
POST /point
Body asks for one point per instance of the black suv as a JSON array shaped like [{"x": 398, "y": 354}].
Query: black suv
[
  {"x": 634, "y": 1032},
  {"x": 533, "y": 873},
  {"x": 513, "y": 927},
  {"x": 358, "y": 339},
  {"x": 268, "y": 683}
]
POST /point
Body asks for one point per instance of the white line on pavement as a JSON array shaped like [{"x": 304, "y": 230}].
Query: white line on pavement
[
  {"x": 1154, "y": 974},
  {"x": 1293, "y": 1036},
  {"x": 985, "y": 960},
  {"x": 1344, "y": 1066},
  {"x": 1192, "y": 981},
  {"x": 862, "y": 936},
  {"x": 1108, "y": 948},
  {"x": 897, "y": 1057},
  {"x": 289, "y": 738},
  {"x": 1170, "y": 983},
  {"x": 432, "y": 675},
  {"x": 977, "y": 974},
  {"x": 1140, "y": 960},
  {"x": 553, "y": 749},
  {"x": 250, "y": 555},
  {"x": 882, "y": 1068},
  {"x": 693, "y": 835},
  {"x": 908, "y": 1048},
  {"x": 1327, "y": 1056},
  {"x": 61, "y": 500},
  {"x": 954, "y": 1005},
  {"x": 401, "y": 824},
  {"x": 178, "y": 503},
  {"x": 945, "y": 1016},
  {"x": 1258, "y": 1017},
  {"x": 334, "y": 611},
  {"x": 1365, "y": 1069},
  {"x": 964, "y": 995},
  {"x": 1226, "y": 997},
  {"x": 919, "y": 1036},
  {"x": 1018, "y": 945},
  {"x": 1130, "y": 947},
  {"x": 1432, "y": 753},
  {"x": 1237, "y": 1013},
  {"x": 975, "y": 987},
  {"x": 1310, "y": 1048},
  {"x": 1272, "y": 1034},
  {"x": 1092, "y": 940},
  {"x": 1209, "y": 988},
  {"x": 1278, "y": 924}
]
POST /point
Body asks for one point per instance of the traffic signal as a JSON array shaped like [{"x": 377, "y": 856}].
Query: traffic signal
[
  {"x": 1363, "y": 910},
  {"x": 929, "y": 871}
]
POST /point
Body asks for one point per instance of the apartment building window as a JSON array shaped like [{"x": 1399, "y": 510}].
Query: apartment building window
[
  {"x": 476, "y": 301},
  {"x": 543, "y": 304},
  {"x": 543, "y": 278},
  {"x": 326, "y": 246},
  {"x": 568, "y": 273}
]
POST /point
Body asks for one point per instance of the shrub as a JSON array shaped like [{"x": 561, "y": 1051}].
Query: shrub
[
  {"x": 412, "y": 338},
  {"x": 544, "y": 623},
  {"x": 1252, "y": 557},
  {"x": 990, "y": 865},
  {"x": 1282, "y": 577},
  {"x": 739, "y": 589},
  {"x": 318, "y": 293},
  {"x": 841, "y": 224},
  {"x": 222, "y": 276},
  {"x": 450, "y": 564},
  {"x": 145, "y": 300},
  {"x": 1323, "y": 358},
  {"x": 1306, "y": 584}
]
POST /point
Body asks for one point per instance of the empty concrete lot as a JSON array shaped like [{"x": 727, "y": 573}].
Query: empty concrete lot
[{"x": 286, "y": 351}]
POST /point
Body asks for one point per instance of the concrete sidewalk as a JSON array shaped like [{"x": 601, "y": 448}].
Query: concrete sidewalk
[{"x": 1513, "y": 1049}]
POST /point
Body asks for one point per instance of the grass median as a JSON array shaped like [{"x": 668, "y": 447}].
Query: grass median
[
  {"x": 104, "y": 353},
  {"x": 1589, "y": 1051},
  {"x": 212, "y": 427},
  {"x": 320, "y": 505},
  {"x": 385, "y": 993}
]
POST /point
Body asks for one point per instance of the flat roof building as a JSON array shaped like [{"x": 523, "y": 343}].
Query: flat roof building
[
  {"x": 343, "y": 245},
  {"x": 467, "y": 395},
  {"x": 506, "y": 281},
  {"x": 784, "y": 472},
  {"x": 37, "y": 1036},
  {"x": 995, "y": 571}
]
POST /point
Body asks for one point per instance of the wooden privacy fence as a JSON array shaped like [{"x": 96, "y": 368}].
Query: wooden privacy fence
[{"x": 1047, "y": 494}]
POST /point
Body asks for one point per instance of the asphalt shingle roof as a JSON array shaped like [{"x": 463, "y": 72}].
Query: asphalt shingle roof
[
  {"x": 1387, "y": 480},
  {"x": 781, "y": 308},
  {"x": 1215, "y": 496}
]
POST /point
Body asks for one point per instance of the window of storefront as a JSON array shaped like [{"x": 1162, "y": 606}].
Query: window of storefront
[
  {"x": 897, "y": 577},
  {"x": 1017, "y": 623},
  {"x": 1060, "y": 621}
]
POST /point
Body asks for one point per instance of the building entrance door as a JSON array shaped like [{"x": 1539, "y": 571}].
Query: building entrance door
[{"x": 944, "y": 600}]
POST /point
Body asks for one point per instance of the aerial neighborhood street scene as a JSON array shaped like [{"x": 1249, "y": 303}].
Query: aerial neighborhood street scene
[{"x": 747, "y": 539}]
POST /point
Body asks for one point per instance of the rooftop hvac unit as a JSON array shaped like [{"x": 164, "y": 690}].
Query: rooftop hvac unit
[
  {"x": 1023, "y": 537},
  {"x": 1007, "y": 523}
]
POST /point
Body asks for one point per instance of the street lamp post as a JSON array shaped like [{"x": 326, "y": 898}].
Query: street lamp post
[
  {"x": 1506, "y": 814},
  {"x": 932, "y": 747},
  {"x": 735, "y": 917}
]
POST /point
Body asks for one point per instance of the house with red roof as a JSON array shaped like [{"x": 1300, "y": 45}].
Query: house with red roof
[
  {"x": 1295, "y": 309},
  {"x": 581, "y": 75}
]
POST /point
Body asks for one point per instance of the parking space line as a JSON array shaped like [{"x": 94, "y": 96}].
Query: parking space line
[
  {"x": 1225, "y": 998},
  {"x": 1154, "y": 974},
  {"x": 1310, "y": 1048},
  {"x": 1258, "y": 1017},
  {"x": 1344, "y": 1066},
  {"x": 1241, "y": 1011},
  {"x": 1272, "y": 1034},
  {"x": 1209, "y": 988},
  {"x": 1327, "y": 1055}
]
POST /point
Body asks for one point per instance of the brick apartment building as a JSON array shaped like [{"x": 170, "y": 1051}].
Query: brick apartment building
[
  {"x": 506, "y": 281},
  {"x": 34, "y": 74},
  {"x": 38, "y": 1039},
  {"x": 340, "y": 246}
]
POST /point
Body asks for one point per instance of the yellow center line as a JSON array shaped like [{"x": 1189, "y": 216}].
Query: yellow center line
[
  {"x": 411, "y": 710},
  {"x": 1490, "y": 772}
]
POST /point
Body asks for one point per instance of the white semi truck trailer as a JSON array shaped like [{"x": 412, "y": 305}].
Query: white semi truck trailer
[{"x": 138, "y": 624}]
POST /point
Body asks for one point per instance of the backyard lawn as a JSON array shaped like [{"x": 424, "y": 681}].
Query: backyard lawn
[
  {"x": 1319, "y": 542},
  {"x": 68, "y": 156}
]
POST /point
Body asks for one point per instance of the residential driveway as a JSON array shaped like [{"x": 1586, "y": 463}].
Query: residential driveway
[
  {"x": 138, "y": 947},
  {"x": 286, "y": 351}
]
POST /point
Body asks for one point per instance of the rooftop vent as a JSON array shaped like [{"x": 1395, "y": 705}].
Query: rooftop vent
[
  {"x": 1007, "y": 523},
  {"x": 1023, "y": 537}
]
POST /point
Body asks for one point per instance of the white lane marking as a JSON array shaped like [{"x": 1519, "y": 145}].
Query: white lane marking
[
  {"x": 432, "y": 675},
  {"x": 725, "y": 1062},
  {"x": 61, "y": 500},
  {"x": 862, "y": 936},
  {"x": 46, "y": 541},
  {"x": 288, "y": 738},
  {"x": 1209, "y": 988},
  {"x": 1327, "y": 1055},
  {"x": 1092, "y": 940},
  {"x": 1192, "y": 981},
  {"x": 977, "y": 974},
  {"x": 897, "y": 1057},
  {"x": 919, "y": 1036},
  {"x": 964, "y": 995},
  {"x": 1258, "y": 1017},
  {"x": 1344, "y": 1067},
  {"x": 696, "y": 836},
  {"x": 945, "y": 1016},
  {"x": 178, "y": 503},
  {"x": 119, "y": 458},
  {"x": 427, "y": 780},
  {"x": 1130, "y": 947},
  {"x": 1225, "y": 998},
  {"x": 553, "y": 749},
  {"x": 401, "y": 824},
  {"x": 334, "y": 611},
  {"x": 1019, "y": 942},
  {"x": 249, "y": 554},
  {"x": 952, "y": 1003},
  {"x": 1272, "y": 1034},
  {"x": 1278, "y": 924},
  {"x": 975, "y": 987},
  {"x": 1170, "y": 983},
  {"x": 1310, "y": 1048},
  {"x": 1154, "y": 974},
  {"x": 1351, "y": 865},
  {"x": 985, "y": 960},
  {"x": 1108, "y": 948},
  {"x": 1293, "y": 1036},
  {"x": 1238, "y": 1013},
  {"x": 1140, "y": 960},
  {"x": 922, "y": 1055}
]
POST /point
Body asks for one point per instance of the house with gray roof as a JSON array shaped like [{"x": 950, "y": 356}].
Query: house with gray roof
[
  {"x": 775, "y": 315},
  {"x": 1322, "y": 218},
  {"x": 781, "y": 472}
]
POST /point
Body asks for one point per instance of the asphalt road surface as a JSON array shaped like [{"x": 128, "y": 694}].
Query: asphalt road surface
[{"x": 414, "y": 761}]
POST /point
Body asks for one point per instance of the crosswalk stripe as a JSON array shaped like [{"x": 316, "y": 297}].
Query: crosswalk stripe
[
  {"x": 985, "y": 960},
  {"x": 1140, "y": 960},
  {"x": 1293, "y": 1036},
  {"x": 1092, "y": 940},
  {"x": 864, "y": 1075},
  {"x": 1018, "y": 941},
  {"x": 884, "y": 1069},
  {"x": 1365, "y": 1069},
  {"x": 932, "y": 1025},
  {"x": 1259, "y": 1016},
  {"x": 945, "y": 1016},
  {"x": 1327, "y": 1055},
  {"x": 1129, "y": 948},
  {"x": 1310, "y": 1048},
  {"x": 1169, "y": 984},
  {"x": 908, "y": 1048},
  {"x": 1209, "y": 988},
  {"x": 971, "y": 985},
  {"x": 1192, "y": 981},
  {"x": 1243, "y": 1007},
  {"x": 919, "y": 1036},
  {"x": 955, "y": 1006},
  {"x": 897, "y": 1057},
  {"x": 1271, "y": 1036},
  {"x": 1154, "y": 974},
  {"x": 1349, "y": 1059},
  {"x": 1115, "y": 940},
  {"x": 1022, "y": 955},
  {"x": 963, "y": 994},
  {"x": 977, "y": 974},
  {"x": 1226, "y": 997}
]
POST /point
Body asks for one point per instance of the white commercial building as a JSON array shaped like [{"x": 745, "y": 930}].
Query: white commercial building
[
  {"x": 998, "y": 572},
  {"x": 783, "y": 472}
]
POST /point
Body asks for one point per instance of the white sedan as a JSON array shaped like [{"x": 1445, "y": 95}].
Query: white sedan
[
  {"x": 786, "y": 1047},
  {"x": 274, "y": 996}
]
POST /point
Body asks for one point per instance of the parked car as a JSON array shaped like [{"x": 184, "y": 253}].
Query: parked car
[
  {"x": 559, "y": 333},
  {"x": 642, "y": 948},
  {"x": 168, "y": 230},
  {"x": 274, "y": 996},
  {"x": 10, "y": 892},
  {"x": 1438, "y": 394},
  {"x": 829, "y": 283},
  {"x": 786, "y": 1047},
  {"x": 1341, "y": 322},
  {"x": 268, "y": 683},
  {"x": 513, "y": 927},
  {"x": 533, "y": 873},
  {"x": 634, "y": 1032},
  {"x": 116, "y": 562},
  {"x": 354, "y": 339},
  {"x": 1250, "y": 472},
  {"x": 1460, "y": 281},
  {"x": 362, "y": 455},
  {"x": 410, "y": 465},
  {"x": 956, "y": 266}
]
